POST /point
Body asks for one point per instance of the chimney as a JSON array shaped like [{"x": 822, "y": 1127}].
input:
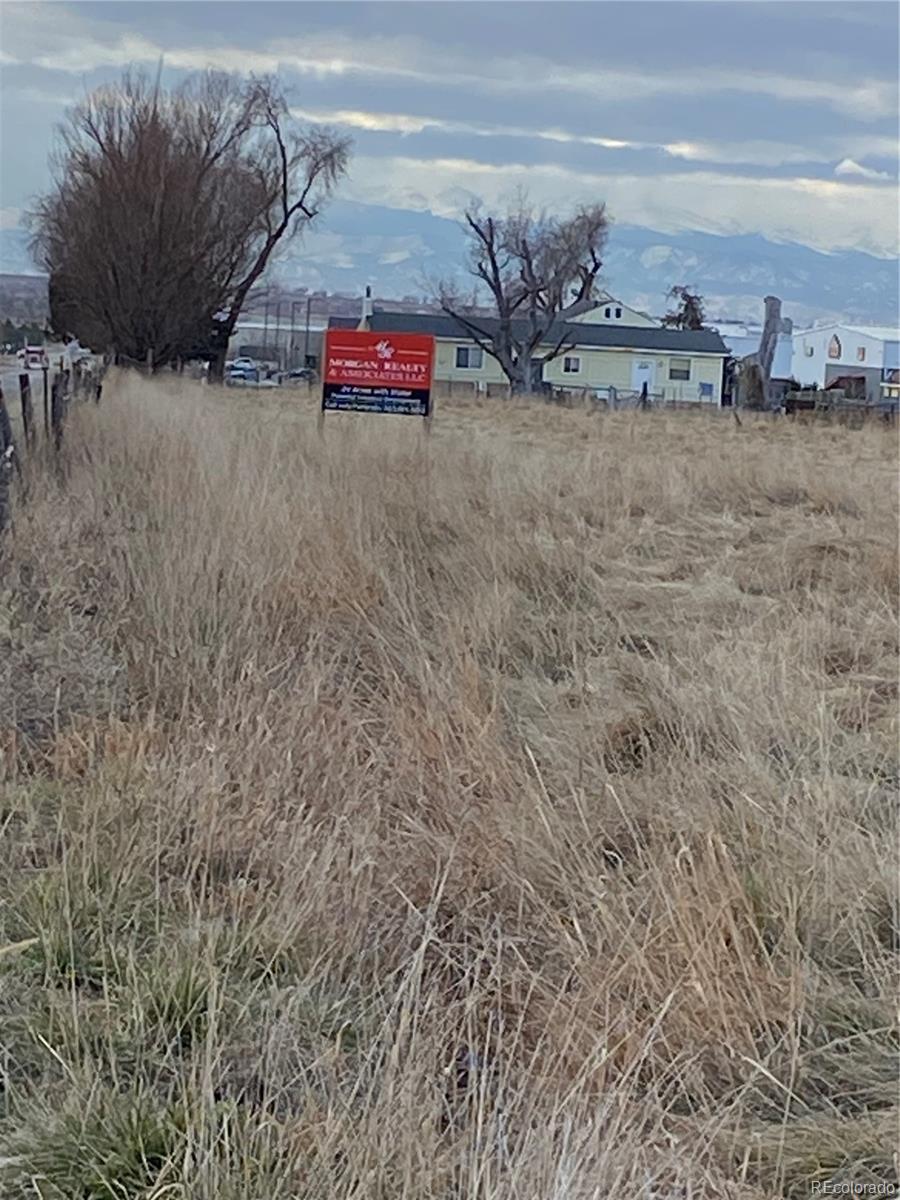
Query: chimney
[
  {"x": 366, "y": 310},
  {"x": 769, "y": 339}
]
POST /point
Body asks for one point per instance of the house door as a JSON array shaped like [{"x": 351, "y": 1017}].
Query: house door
[{"x": 643, "y": 370}]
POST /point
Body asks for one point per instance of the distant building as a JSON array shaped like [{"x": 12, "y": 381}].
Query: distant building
[
  {"x": 282, "y": 341},
  {"x": 870, "y": 353}
]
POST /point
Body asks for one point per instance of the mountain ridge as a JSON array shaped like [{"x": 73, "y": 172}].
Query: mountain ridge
[{"x": 400, "y": 253}]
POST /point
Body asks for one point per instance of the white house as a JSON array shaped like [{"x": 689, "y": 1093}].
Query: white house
[{"x": 869, "y": 352}]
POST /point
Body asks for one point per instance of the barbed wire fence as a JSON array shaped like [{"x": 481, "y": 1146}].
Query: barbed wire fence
[{"x": 20, "y": 447}]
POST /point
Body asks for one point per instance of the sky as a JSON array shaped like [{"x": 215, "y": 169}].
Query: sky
[{"x": 772, "y": 118}]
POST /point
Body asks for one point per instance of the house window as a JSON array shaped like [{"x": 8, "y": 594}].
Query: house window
[
  {"x": 571, "y": 364},
  {"x": 608, "y": 313},
  {"x": 860, "y": 354},
  {"x": 618, "y": 313},
  {"x": 469, "y": 357},
  {"x": 679, "y": 368}
]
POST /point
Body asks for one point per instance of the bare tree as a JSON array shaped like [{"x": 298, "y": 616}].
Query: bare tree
[
  {"x": 168, "y": 207},
  {"x": 540, "y": 272},
  {"x": 688, "y": 312}
]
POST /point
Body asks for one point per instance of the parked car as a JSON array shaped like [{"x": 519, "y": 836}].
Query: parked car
[
  {"x": 242, "y": 363},
  {"x": 244, "y": 374},
  {"x": 248, "y": 379},
  {"x": 292, "y": 378},
  {"x": 33, "y": 358}
]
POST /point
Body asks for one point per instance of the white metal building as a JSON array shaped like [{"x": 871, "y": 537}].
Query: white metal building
[{"x": 869, "y": 352}]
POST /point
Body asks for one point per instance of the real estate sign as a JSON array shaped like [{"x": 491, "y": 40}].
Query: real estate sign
[{"x": 377, "y": 372}]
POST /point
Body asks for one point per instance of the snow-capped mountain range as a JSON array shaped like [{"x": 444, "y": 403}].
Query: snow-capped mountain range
[{"x": 403, "y": 253}]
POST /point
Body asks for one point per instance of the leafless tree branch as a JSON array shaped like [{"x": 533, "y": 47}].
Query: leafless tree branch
[
  {"x": 168, "y": 206},
  {"x": 540, "y": 272}
]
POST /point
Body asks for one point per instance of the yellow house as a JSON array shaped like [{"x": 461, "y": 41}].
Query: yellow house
[
  {"x": 603, "y": 355},
  {"x": 610, "y": 311}
]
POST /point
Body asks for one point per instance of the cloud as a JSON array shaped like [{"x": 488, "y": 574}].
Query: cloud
[
  {"x": 10, "y": 218},
  {"x": 755, "y": 153},
  {"x": 407, "y": 123},
  {"x": 415, "y": 59},
  {"x": 655, "y": 256},
  {"x": 81, "y": 55},
  {"x": 68, "y": 42},
  {"x": 39, "y": 95},
  {"x": 869, "y": 100},
  {"x": 874, "y": 145},
  {"x": 690, "y": 180},
  {"x": 373, "y": 122},
  {"x": 393, "y": 257},
  {"x": 849, "y": 166},
  {"x": 824, "y": 214}
]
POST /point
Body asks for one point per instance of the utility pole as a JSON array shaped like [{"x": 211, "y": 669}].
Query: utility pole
[
  {"x": 292, "y": 362},
  {"x": 306, "y": 339},
  {"x": 266, "y": 323}
]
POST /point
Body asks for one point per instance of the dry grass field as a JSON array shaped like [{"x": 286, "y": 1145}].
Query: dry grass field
[{"x": 507, "y": 816}]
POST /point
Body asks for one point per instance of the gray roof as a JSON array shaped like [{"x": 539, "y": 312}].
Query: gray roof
[{"x": 630, "y": 337}]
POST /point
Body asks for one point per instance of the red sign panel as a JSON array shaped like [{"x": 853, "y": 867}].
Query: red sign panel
[{"x": 377, "y": 372}]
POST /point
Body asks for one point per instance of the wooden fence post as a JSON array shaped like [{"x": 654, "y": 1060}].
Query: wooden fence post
[
  {"x": 8, "y": 462},
  {"x": 27, "y": 407},
  {"x": 5, "y": 474},
  {"x": 45, "y": 371},
  {"x": 57, "y": 410},
  {"x": 6, "y": 433}
]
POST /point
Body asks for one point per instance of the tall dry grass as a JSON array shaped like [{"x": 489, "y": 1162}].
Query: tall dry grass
[{"x": 510, "y": 816}]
